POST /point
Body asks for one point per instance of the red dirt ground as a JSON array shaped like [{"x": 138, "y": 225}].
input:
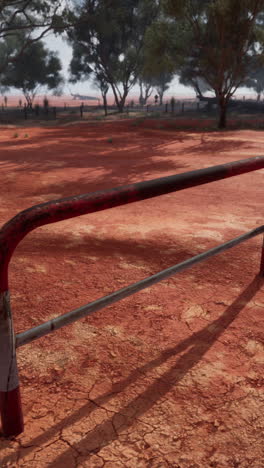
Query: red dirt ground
[{"x": 172, "y": 376}]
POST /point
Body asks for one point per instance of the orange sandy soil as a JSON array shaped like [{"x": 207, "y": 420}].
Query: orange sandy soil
[{"x": 172, "y": 376}]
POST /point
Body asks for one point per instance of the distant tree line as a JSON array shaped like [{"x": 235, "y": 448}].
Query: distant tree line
[{"x": 210, "y": 45}]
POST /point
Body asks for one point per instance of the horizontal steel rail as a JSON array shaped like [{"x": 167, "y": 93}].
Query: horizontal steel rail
[
  {"x": 70, "y": 317},
  {"x": 57, "y": 210}
]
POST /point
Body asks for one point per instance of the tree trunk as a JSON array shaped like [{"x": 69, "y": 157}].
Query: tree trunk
[
  {"x": 115, "y": 95},
  {"x": 142, "y": 100},
  {"x": 222, "y": 113},
  {"x": 141, "y": 94},
  {"x": 120, "y": 106},
  {"x": 29, "y": 101},
  {"x": 197, "y": 89},
  {"x": 105, "y": 104},
  {"x": 148, "y": 92},
  {"x": 120, "y": 102}
]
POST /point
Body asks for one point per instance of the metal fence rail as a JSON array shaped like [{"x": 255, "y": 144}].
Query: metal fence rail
[
  {"x": 65, "y": 319},
  {"x": 24, "y": 222}
]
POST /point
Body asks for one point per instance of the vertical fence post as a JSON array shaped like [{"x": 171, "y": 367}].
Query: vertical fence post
[
  {"x": 261, "y": 271},
  {"x": 81, "y": 109},
  {"x": 10, "y": 402}
]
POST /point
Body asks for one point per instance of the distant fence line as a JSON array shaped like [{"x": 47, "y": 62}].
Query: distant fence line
[
  {"x": 52, "y": 112},
  {"x": 178, "y": 107}
]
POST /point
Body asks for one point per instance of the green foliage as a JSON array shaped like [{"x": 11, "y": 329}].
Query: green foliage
[
  {"x": 219, "y": 34},
  {"x": 15, "y": 135},
  {"x": 109, "y": 140},
  {"x": 108, "y": 39},
  {"x": 163, "y": 47},
  {"x": 161, "y": 82},
  {"x": 188, "y": 76},
  {"x": 37, "y": 67},
  {"x": 22, "y": 22}
]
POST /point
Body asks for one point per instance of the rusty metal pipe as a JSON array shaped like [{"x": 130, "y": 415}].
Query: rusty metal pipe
[
  {"x": 64, "y": 208},
  {"x": 57, "y": 210}
]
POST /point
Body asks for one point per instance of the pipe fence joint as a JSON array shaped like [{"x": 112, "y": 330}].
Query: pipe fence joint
[{"x": 58, "y": 210}]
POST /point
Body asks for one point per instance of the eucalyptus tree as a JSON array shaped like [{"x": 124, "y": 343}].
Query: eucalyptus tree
[
  {"x": 255, "y": 78},
  {"x": 162, "y": 83},
  {"x": 108, "y": 39},
  {"x": 188, "y": 76},
  {"x": 146, "y": 89},
  {"x": 222, "y": 33},
  {"x": 162, "y": 54},
  {"x": 37, "y": 68},
  {"x": 24, "y": 22},
  {"x": 81, "y": 70}
]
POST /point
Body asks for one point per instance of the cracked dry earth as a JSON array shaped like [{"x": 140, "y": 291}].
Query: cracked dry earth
[{"x": 172, "y": 376}]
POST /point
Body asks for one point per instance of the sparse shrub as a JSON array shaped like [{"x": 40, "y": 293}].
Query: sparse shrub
[
  {"x": 109, "y": 140},
  {"x": 15, "y": 135},
  {"x": 26, "y": 135}
]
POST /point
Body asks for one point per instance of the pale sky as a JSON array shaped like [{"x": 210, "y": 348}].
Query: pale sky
[{"x": 65, "y": 53}]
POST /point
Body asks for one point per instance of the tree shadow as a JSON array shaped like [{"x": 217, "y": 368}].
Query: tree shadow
[
  {"x": 153, "y": 255},
  {"x": 132, "y": 156},
  {"x": 195, "y": 347},
  {"x": 216, "y": 147},
  {"x": 135, "y": 154},
  {"x": 104, "y": 165}
]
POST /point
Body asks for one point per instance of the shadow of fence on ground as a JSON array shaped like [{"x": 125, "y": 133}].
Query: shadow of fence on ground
[{"x": 195, "y": 347}]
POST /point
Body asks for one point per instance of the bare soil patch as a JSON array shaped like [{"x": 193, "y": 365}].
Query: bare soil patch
[{"x": 172, "y": 376}]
